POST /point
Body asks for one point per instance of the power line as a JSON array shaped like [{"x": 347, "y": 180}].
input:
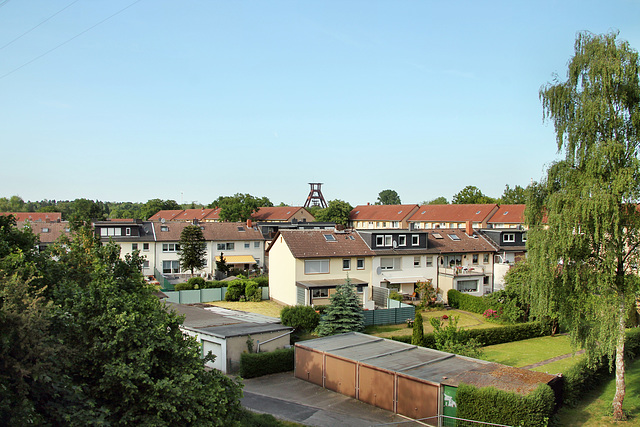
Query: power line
[
  {"x": 66, "y": 41},
  {"x": 4, "y": 2},
  {"x": 27, "y": 32}
]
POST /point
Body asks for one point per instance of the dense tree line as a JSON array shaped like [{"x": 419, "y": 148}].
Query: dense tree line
[{"x": 84, "y": 341}]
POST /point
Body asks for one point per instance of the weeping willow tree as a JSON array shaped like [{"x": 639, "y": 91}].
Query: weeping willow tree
[{"x": 584, "y": 233}]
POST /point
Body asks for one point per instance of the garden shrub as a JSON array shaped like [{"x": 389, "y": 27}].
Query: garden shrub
[
  {"x": 302, "y": 317},
  {"x": 196, "y": 282},
  {"x": 466, "y": 302},
  {"x": 491, "y": 405},
  {"x": 252, "y": 292},
  {"x": 235, "y": 290},
  {"x": 262, "y": 281},
  {"x": 185, "y": 286},
  {"x": 395, "y": 296},
  {"x": 258, "y": 364}
]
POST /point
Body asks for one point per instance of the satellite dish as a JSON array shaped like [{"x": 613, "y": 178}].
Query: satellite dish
[
  {"x": 162, "y": 220},
  {"x": 394, "y": 244},
  {"x": 378, "y": 271}
]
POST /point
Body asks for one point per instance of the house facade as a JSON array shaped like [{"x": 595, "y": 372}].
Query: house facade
[
  {"x": 306, "y": 266},
  {"x": 452, "y": 216},
  {"x": 373, "y": 217}
]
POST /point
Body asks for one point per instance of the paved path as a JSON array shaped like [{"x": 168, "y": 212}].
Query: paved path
[
  {"x": 289, "y": 398},
  {"x": 553, "y": 359}
]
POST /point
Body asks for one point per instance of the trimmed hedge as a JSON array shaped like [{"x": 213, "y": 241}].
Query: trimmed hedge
[
  {"x": 491, "y": 405},
  {"x": 262, "y": 282},
  {"x": 466, "y": 302},
  {"x": 302, "y": 317},
  {"x": 581, "y": 378},
  {"x": 258, "y": 364},
  {"x": 491, "y": 336}
]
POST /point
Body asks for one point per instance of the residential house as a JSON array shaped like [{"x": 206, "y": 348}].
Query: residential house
[
  {"x": 511, "y": 247},
  {"x": 452, "y": 216},
  {"x": 35, "y": 216},
  {"x": 368, "y": 217},
  {"x": 47, "y": 232},
  {"x": 306, "y": 266},
  {"x": 508, "y": 216},
  {"x": 282, "y": 214},
  {"x": 402, "y": 259},
  {"x": 464, "y": 260},
  {"x": 188, "y": 215},
  {"x": 132, "y": 235}
]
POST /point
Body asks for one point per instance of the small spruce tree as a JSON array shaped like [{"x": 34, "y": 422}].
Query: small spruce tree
[
  {"x": 344, "y": 313},
  {"x": 418, "y": 330}
]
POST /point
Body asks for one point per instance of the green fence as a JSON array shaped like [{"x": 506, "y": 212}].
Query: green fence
[
  {"x": 396, "y": 313},
  {"x": 203, "y": 295},
  {"x": 164, "y": 283}
]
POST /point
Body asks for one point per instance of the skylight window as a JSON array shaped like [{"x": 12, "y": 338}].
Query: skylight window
[
  {"x": 477, "y": 213},
  {"x": 437, "y": 235},
  {"x": 454, "y": 237},
  {"x": 399, "y": 212},
  {"x": 505, "y": 212},
  {"x": 241, "y": 228},
  {"x": 329, "y": 237}
]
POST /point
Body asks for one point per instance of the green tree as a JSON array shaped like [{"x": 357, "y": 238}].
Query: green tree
[
  {"x": 337, "y": 211},
  {"x": 471, "y": 195},
  {"x": 418, "y": 330},
  {"x": 193, "y": 248},
  {"x": 239, "y": 207},
  {"x": 221, "y": 264},
  {"x": 437, "y": 201},
  {"x": 584, "y": 259},
  {"x": 344, "y": 313},
  {"x": 83, "y": 211},
  {"x": 513, "y": 196},
  {"x": 452, "y": 339},
  {"x": 154, "y": 206},
  {"x": 388, "y": 197}
]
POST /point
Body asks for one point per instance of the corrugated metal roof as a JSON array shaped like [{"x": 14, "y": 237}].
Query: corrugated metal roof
[{"x": 427, "y": 364}]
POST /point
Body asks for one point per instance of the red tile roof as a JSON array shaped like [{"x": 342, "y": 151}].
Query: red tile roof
[
  {"x": 509, "y": 214},
  {"x": 313, "y": 244},
  {"x": 213, "y": 231},
  {"x": 186, "y": 215},
  {"x": 460, "y": 244},
  {"x": 453, "y": 213},
  {"x": 47, "y": 232},
  {"x": 381, "y": 212},
  {"x": 276, "y": 213},
  {"x": 35, "y": 216}
]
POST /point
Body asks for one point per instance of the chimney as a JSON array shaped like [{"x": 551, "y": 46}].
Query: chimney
[
  {"x": 249, "y": 225},
  {"x": 469, "y": 229}
]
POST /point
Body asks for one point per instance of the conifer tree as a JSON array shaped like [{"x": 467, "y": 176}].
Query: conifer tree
[
  {"x": 344, "y": 313},
  {"x": 418, "y": 330}
]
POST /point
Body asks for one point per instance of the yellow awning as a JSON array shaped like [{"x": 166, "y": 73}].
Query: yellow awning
[{"x": 238, "y": 259}]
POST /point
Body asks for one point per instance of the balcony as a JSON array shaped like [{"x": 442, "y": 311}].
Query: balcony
[{"x": 467, "y": 270}]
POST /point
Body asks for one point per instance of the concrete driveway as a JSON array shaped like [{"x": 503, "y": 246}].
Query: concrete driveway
[{"x": 292, "y": 399}]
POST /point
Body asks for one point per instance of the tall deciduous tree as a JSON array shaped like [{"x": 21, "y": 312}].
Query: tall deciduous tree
[
  {"x": 193, "y": 248},
  {"x": 344, "y": 313},
  {"x": 154, "y": 206},
  {"x": 388, "y": 197},
  {"x": 441, "y": 200},
  {"x": 513, "y": 196},
  {"x": 584, "y": 259},
  {"x": 239, "y": 207},
  {"x": 338, "y": 211},
  {"x": 471, "y": 195}
]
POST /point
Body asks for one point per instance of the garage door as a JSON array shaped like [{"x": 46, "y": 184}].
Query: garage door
[
  {"x": 308, "y": 365},
  {"x": 340, "y": 376},
  {"x": 216, "y": 349},
  {"x": 376, "y": 387}
]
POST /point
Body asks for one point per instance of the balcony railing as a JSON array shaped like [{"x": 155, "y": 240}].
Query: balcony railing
[{"x": 464, "y": 271}]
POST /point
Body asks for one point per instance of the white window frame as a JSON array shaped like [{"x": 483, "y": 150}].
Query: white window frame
[
  {"x": 388, "y": 240},
  {"x": 509, "y": 238},
  {"x": 402, "y": 240},
  {"x": 171, "y": 247},
  {"x": 145, "y": 246},
  {"x": 415, "y": 239},
  {"x": 429, "y": 261},
  {"x": 346, "y": 263},
  {"x": 416, "y": 261},
  {"x": 390, "y": 263},
  {"x": 317, "y": 266},
  {"x": 360, "y": 263},
  {"x": 379, "y": 241}
]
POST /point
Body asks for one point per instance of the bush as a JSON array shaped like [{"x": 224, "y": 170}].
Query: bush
[
  {"x": 235, "y": 290},
  {"x": 252, "y": 292},
  {"x": 196, "y": 282},
  {"x": 258, "y": 364},
  {"x": 262, "y": 281},
  {"x": 467, "y": 302},
  {"x": 302, "y": 317},
  {"x": 186, "y": 286},
  {"x": 395, "y": 296},
  {"x": 491, "y": 405}
]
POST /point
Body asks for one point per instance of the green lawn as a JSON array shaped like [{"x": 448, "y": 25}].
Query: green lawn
[
  {"x": 465, "y": 319},
  {"x": 595, "y": 408},
  {"x": 527, "y": 352}
]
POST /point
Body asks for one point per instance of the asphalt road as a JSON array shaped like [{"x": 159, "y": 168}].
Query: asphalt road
[{"x": 292, "y": 399}]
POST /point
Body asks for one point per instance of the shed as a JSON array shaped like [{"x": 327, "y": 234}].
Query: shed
[
  {"x": 227, "y": 337},
  {"x": 399, "y": 377}
]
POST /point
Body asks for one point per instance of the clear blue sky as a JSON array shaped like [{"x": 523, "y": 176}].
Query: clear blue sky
[{"x": 190, "y": 100}]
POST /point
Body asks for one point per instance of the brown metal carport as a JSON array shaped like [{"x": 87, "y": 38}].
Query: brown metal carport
[{"x": 399, "y": 377}]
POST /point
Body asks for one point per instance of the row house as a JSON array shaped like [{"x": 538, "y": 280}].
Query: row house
[
  {"x": 282, "y": 214},
  {"x": 240, "y": 245},
  {"x": 35, "y": 216},
  {"x": 306, "y": 266},
  {"x": 372, "y": 217},
  {"x": 47, "y": 232},
  {"x": 188, "y": 215},
  {"x": 452, "y": 216}
]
